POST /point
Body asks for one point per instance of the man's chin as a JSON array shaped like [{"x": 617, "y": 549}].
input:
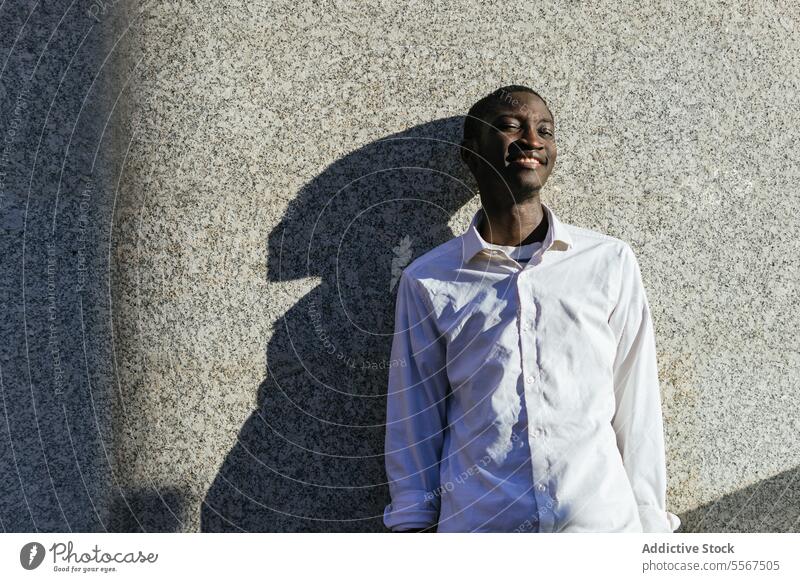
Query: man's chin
[{"x": 526, "y": 184}]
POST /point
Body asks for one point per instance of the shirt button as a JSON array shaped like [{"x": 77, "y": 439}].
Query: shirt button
[
  {"x": 529, "y": 379},
  {"x": 541, "y": 487}
]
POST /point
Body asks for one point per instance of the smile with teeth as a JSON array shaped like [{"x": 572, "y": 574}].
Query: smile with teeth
[{"x": 527, "y": 162}]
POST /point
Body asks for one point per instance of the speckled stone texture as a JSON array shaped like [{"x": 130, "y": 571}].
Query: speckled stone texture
[
  {"x": 265, "y": 170},
  {"x": 56, "y": 376}
]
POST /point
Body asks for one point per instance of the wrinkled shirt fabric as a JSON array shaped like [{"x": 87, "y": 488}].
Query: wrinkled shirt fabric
[{"x": 524, "y": 394}]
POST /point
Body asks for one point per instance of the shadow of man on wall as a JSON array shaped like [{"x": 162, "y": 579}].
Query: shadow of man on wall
[{"x": 310, "y": 457}]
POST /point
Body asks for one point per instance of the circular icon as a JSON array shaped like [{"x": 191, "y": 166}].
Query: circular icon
[{"x": 31, "y": 555}]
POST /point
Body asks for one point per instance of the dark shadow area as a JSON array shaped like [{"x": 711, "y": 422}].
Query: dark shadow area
[
  {"x": 148, "y": 511},
  {"x": 771, "y": 505},
  {"x": 310, "y": 457},
  {"x": 56, "y": 391}
]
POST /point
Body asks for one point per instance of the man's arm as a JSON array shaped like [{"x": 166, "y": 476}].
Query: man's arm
[
  {"x": 415, "y": 412},
  {"x": 637, "y": 421}
]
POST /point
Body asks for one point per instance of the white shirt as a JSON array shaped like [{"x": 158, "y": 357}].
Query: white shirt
[
  {"x": 521, "y": 254},
  {"x": 525, "y": 398}
]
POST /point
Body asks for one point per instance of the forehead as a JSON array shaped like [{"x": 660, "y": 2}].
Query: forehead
[{"x": 520, "y": 103}]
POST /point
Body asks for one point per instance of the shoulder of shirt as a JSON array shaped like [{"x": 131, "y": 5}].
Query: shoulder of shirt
[
  {"x": 584, "y": 237},
  {"x": 438, "y": 260},
  {"x": 445, "y": 258}
]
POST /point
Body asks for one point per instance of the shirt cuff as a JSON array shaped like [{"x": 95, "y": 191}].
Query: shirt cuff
[
  {"x": 656, "y": 520},
  {"x": 411, "y": 510}
]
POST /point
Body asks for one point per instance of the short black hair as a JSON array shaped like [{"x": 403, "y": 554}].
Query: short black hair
[{"x": 472, "y": 122}]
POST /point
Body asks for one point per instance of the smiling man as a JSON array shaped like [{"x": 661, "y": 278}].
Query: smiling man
[{"x": 528, "y": 399}]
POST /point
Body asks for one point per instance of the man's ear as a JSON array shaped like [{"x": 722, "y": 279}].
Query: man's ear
[{"x": 467, "y": 152}]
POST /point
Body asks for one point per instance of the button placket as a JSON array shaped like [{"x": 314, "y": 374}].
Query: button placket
[{"x": 527, "y": 318}]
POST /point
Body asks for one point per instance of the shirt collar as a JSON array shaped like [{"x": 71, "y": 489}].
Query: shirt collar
[{"x": 557, "y": 237}]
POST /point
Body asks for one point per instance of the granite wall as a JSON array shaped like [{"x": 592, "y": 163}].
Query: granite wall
[{"x": 205, "y": 207}]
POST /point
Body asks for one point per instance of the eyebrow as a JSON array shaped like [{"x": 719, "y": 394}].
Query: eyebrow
[{"x": 516, "y": 113}]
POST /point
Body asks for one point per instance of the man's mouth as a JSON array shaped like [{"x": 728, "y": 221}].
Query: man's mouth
[{"x": 528, "y": 161}]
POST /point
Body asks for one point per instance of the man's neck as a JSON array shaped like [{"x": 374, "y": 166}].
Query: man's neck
[{"x": 515, "y": 225}]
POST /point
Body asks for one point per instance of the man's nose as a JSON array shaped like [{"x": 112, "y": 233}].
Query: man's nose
[
  {"x": 531, "y": 138},
  {"x": 528, "y": 141}
]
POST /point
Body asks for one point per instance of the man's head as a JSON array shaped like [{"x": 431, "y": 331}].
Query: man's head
[{"x": 509, "y": 144}]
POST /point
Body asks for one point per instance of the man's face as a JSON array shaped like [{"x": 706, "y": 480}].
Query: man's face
[{"x": 515, "y": 150}]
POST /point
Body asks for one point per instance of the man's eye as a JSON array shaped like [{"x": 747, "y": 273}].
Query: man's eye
[
  {"x": 508, "y": 126},
  {"x": 545, "y": 131}
]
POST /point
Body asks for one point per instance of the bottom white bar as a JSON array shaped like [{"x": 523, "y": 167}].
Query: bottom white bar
[{"x": 389, "y": 557}]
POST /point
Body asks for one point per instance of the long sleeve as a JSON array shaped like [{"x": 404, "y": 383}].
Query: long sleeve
[
  {"x": 638, "y": 422},
  {"x": 415, "y": 411}
]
